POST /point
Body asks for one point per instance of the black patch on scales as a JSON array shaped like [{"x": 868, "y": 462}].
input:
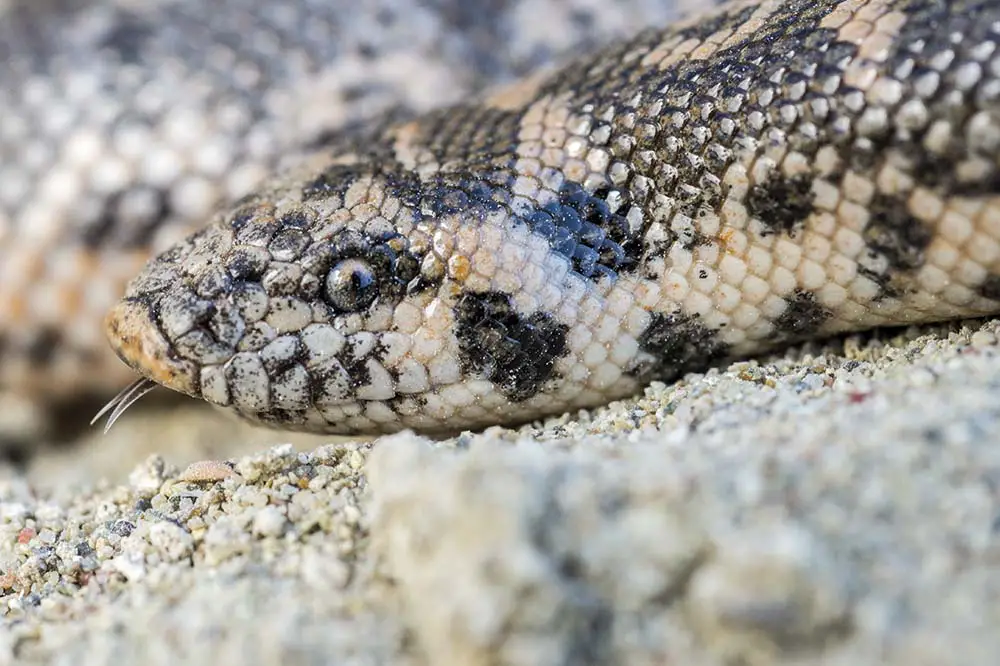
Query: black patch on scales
[
  {"x": 990, "y": 288},
  {"x": 781, "y": 203},
  {"x": 679, "y": 343},
  {"x": 355, "y": 365},
  {"x": 894, "y": 233},
  {"x": 582, "y": 227},
  {"x": 802, "y": 317},
  {"x": 672, "y": 132},
  {"x": 516, "y": 353}
]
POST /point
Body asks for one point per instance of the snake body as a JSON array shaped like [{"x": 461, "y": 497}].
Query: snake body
[{"x": 762, "y": 173}]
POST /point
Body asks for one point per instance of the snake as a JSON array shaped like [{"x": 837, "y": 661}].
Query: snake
[{"x": 756, "y": 174}]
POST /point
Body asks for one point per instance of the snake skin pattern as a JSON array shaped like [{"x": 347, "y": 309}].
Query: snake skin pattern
[
  {"x": 124, "y": 124},
  {"x": 764, "y": 173}
]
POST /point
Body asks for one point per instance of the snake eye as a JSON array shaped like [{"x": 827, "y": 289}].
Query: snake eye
[{"x": 351, "y": 285}]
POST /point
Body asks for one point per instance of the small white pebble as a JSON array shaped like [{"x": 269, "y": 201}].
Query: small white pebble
[
  {"x": 269, "y": 522},
  {"x": 356, "y": 460},
  {"x": 983, "y": 339},
  {"x": 352, "y": 515},
  {"x": 172, "y": 542}
]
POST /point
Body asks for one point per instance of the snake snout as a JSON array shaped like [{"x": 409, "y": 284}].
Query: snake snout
[{"x": 139, "y": 342}]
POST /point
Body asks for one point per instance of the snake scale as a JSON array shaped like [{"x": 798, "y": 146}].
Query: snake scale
[{"x": 760, "y": 173}]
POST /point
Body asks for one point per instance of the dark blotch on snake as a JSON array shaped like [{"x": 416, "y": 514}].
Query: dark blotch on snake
[{"x": 515, "y": 352}]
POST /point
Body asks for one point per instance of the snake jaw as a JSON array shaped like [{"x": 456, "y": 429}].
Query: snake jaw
[{"x": 138, "y": 341}]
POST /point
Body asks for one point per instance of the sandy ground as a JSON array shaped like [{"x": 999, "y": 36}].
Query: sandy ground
[{"x": 838, "y": 504}]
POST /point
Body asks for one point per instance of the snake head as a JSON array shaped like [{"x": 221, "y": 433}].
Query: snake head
[
  {"x": 351, "y": 304},
  {"x": 283, "y": 315}
]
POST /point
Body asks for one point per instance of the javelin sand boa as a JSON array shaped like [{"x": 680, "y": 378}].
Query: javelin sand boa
[
  {"x": 764, "y": 173},
  {"x": 767, "y": 172}
]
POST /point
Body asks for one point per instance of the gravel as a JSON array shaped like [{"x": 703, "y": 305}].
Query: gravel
[{"x": 838, "y": 504}]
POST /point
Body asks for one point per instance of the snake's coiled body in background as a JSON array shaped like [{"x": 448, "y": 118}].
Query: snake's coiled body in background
[{"x": 762, "y": 173}]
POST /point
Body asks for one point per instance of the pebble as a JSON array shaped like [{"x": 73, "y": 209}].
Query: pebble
[
  {"x": 207, "y": 471},
  {"x": 269, "y": 522}
]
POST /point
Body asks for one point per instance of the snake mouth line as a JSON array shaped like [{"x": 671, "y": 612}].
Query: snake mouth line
[{"x": 137, "y": 340}]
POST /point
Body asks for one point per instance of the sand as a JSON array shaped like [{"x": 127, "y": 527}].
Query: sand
[{"x": 838, "y": 504}]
